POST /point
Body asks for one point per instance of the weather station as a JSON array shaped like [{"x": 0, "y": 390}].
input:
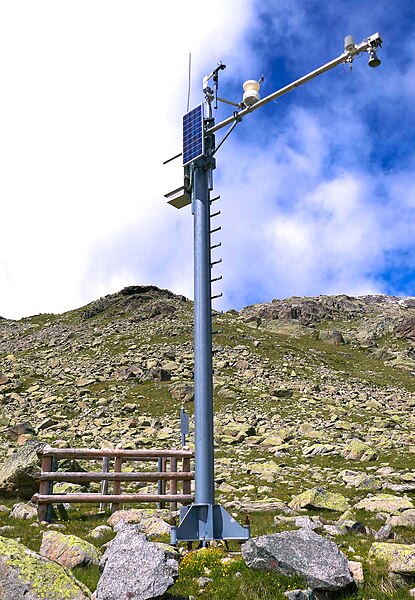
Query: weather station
[{"x": 204, "y": 520}]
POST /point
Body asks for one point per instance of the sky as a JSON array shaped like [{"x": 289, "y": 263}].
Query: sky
[{"x": 317, "y": 189}]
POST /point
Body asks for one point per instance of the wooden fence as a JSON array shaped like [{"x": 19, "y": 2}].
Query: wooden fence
[{"x": 168, "y": 471}]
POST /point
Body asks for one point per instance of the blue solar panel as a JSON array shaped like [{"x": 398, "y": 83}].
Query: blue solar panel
[{"x": 193, "y": 135}]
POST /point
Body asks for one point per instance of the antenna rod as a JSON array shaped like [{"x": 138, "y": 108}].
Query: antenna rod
[{"x": 345, "y": 57}]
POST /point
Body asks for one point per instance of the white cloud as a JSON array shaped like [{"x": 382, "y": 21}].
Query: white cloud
[{"x": 93, "y": 94}]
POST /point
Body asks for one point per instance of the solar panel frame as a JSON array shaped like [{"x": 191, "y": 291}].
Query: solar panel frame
[{"x": 193, "y": 135}]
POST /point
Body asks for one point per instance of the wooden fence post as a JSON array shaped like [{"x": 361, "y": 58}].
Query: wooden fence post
[
  {"x": 162, "y": 487},
  {"x": 44, "y": 486},
  {"x": 117, "y": 484},
  {"x": 173, "y": 482},
  {"x": 49, "y": 513},
  {"x": 160, "y": 481},
  {"x": 104, "y": 482}
]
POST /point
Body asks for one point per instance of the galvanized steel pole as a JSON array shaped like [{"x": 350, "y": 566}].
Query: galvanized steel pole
[
  {"x": 204, "y": 520},
  {"x": 203, "y": 405}
]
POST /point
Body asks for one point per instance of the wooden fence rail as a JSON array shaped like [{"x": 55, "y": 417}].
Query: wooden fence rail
[{"x": 164, "y": 458}]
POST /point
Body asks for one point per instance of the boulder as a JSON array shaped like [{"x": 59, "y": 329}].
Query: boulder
[
  {"x": 406, "y": 328},
  {"x": 100, "y": 532},
  {"x": 282, "y": 393},
  {"x": 356, "y": 569},
  {"x": 384, "y": 533},
  {"x": 23, "y": 511},
  {"x": 399, "y": 558},
  {"x": 320, "y": 498},
  {"x": 29, "y": 576},
  {"x": 15, "y": 431},
  {"x": 331, "y": 336},
  {"x": 303, "y": 553},
  {"x": 299, "y": 522},
  {"x": 357, "y": 450},
  {"x": 404, "y": 519},
  {"x": 68, "y": 550},
  {"x": 3, "y": 379},
  {"x": 360, "y": 481},
  {"x": 182, "y": 391},
  {"x": 265, "y": 505},
  {"x": 158, "y": 375},
  {"x": 150, "y": 525},
  {"x": 154, "y": 527},
  {"x": 297, "y": 595},
  {"x": 17, "y": 474},
  {"x": 132, "y": 567},
  {"x": 384, "y": 503},
  {"x": 130, "y": 515}
]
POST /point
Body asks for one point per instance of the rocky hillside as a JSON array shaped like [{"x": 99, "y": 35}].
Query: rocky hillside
[{"x": 309, "y": 392}]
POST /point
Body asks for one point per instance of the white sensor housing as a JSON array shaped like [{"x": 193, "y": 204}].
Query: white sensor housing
[
  {"x": 251, "y": 92},
  {"x": 349, "y": 44}
]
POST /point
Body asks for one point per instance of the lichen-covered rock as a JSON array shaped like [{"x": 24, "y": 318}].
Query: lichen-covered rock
[
  {"x": 99, "y": 532},
  {"x": 25, "y": 575},
  {"x": 131, "y": 515},
  {"x": 385, "y": 503},
  {"x": 150, "y": 522},
  {"x": 154, "y": 527},
  {"x": 18, "y": 471},
  {"x": 264, "y": 468},
  {"x": 132, "y": 567},
  {"x": 356, "y": 569},
  {"x": 357, "y": 450},
  {"x": 320, "y": 498},
  {"x": 68, "y": 550},
  {"x": 23, "y": 511},
  {"x": 399, "y": 558},
  {"x": 404, "y": 519},
  {"x": 301, "y": 552}
]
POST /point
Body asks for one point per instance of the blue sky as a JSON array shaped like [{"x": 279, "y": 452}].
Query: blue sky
[
  {"x": 333, "y": 207},
  {"x": 317, "y": 190}
]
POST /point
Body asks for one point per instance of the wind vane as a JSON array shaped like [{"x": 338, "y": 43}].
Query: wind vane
[{"x": 205, "y": 520}]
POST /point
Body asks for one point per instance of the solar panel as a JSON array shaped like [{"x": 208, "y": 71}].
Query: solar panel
[{"x": 193, "y": 135}]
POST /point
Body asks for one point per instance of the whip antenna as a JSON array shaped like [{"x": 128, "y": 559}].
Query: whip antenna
[{"x": 189, "y": 81}]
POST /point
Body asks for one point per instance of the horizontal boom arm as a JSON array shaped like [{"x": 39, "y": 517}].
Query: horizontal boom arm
[{"x": 372, "y": 41}]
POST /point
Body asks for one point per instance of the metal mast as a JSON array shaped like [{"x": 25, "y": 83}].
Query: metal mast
[{"x": 204, "y": 520}]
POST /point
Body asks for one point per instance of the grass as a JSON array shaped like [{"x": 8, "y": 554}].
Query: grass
[{"x": 229, "y": 580}]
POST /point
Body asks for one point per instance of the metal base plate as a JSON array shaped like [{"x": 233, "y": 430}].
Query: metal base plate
[{"x": 205, "y": 522}]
